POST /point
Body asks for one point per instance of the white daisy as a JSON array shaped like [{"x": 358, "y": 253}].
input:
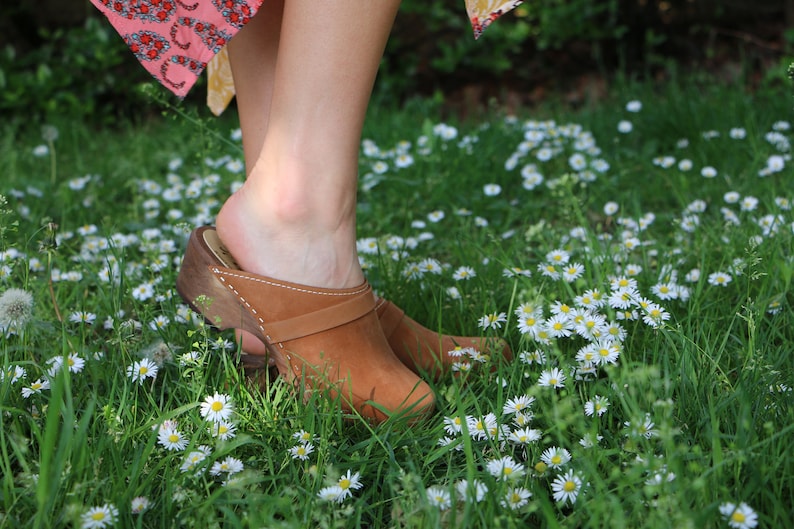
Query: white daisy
[
  {"x": 566, "y": 487},
  {"x": 439, "y": 497},
  {"x": 99, "y": 517},
  {"x": 217, "y": 407}
]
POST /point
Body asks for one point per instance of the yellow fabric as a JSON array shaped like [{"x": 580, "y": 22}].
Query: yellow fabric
[{"x": 220, "y": 84}]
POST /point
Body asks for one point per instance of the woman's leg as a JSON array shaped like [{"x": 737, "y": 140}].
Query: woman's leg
[
  {"x": 294, "y": 218},
  {"x": 253, "y": 53}
]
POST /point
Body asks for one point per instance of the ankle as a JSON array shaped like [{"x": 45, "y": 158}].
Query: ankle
[{"x": 286, "y": 242}]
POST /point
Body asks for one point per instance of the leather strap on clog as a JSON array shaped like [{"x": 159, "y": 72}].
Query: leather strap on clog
[
  {"x": 320, "y": 320},
  {"x": 352, "y": 304}
]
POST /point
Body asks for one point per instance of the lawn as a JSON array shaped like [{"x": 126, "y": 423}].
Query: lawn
[{"x": 635, "y": 253}]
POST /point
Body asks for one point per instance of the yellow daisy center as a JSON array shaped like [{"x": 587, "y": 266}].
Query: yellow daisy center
[
  {"x": 35, "y": 386},
  {"x": 569, "y": 486},
  {"x": 738, "y": 517},
  {"x": 556, "y": 459},
  {"x": 222, "y": 429},
  {"x": 173, "y": 438},
  {"x": 217, "y": 406},
  {"x": 344, "y": 484},
  {"x": 540, "y": 467},
  {"x": 553, "y": 381},
  {"x": 143, "y": 370},
  {"x": 507, "y": 471},
  {"x": 98, "y": 516}
]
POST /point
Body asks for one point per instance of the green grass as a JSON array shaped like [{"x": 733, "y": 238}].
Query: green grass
[{"x": 715, "y": 378}]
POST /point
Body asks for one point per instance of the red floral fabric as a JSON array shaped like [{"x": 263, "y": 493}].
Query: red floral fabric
[{"x": 173, "y": 39}]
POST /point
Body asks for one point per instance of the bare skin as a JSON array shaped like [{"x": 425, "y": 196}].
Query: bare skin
[
  {"x": 303, "y": 72},
  {"x": 302, "y": 108}
]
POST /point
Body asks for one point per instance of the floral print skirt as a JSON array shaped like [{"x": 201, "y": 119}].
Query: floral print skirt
[{"x": 175, "y": 40}]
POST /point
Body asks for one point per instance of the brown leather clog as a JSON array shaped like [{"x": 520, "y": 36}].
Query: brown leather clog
[
  {"x": 423, "y": 351},
  {"x": 322, "y": 339}
]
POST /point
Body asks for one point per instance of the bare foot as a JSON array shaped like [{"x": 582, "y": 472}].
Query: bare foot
[{"x": 271, "y": 236}]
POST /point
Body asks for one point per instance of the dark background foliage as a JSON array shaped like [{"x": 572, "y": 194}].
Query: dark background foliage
[{"x": 61, "y": 56}]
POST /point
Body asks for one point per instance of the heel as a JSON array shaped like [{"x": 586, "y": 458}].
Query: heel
[{"x": 207, "y": 296}]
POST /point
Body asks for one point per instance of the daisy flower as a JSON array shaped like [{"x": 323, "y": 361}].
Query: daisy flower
[
  {"x": 522, "y": 420},
  {"x": 475, "y": 490},
  {"x": 482, "y": 427},
  {"x": 720, "y": 279},
  {"x": 463, "y": 273},
  {"x": 332, "y": 493},
  {"x": 590, "y": 440},
  {"x": 141, "y": 370},
  {"x": 664, "y": 291},
  {"x": 586, "y": 355},
  {"x": 566, "y": 487},
  {"x": 549, "y": 270},
  {"x": 429, "y": 266},
  {"x": 435, "y": 216},
  {"x": 597, "y": 406},
  {"x": 301, "y": 451},
  {"x": 530, "y": 323},
  {"x": 505, "y": 468},
  {"x": 558, "y": 256},
  {"x": 554, "y": 378},
  {"x": 558, "y": 326},
  {"x": 740, "y": 516},
  {"x": 230, "y": 465},
  {"x": 15, "y": 372},
  {"x": 524, "y": 436},
  {"x": 223, "y": 430},
  {"x": 590, "y": 325},
  {"x": 492, "y": 321},
  {"x": 439, "y": 497},
  {"x": 655, "y": 315},
  {"x": 634, "y": 106},
  {"x": 36, "y": 387},
  {"x": 491, "y": 190},
  {"x": 572, "y": 272},
  {"x": 453, "y": 425},
  {"x": 99, "y": 517},
  {"x": 349, "y": 482},
  {"x": 555, "y": 457},
  {"x": 622, "y": 298},
  {"x": 139, "y": 504},
  {"x": 644, "y": 428},
  {"x": 171, "y": 438},
  {"x": 516, "y": 497},
  {"x": 159, "y": 322},
  {"x": 533, "y": 357},
  {"x": 82, "y": 317},
  {"x": 517, "y": 404},
  {"x": 195, "y": 458},
  {"x": 217, "y": 407}
]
